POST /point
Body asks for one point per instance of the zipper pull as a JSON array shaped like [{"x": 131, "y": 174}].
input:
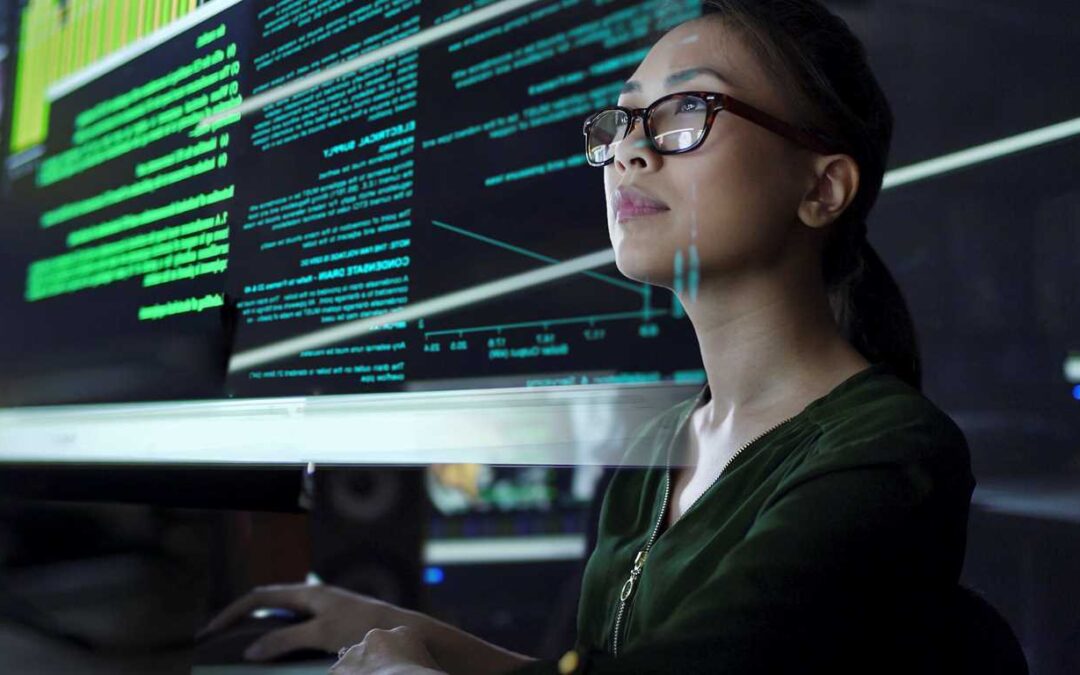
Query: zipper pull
[
  {"x": 628, "y": 587},
  {"x": 639, "y": 560}
]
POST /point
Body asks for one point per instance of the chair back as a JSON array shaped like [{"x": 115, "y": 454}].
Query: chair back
[{"x": 984, "y": 642}]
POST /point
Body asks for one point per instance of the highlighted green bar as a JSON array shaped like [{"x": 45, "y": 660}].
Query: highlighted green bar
[{"x": 186, "y": 306}]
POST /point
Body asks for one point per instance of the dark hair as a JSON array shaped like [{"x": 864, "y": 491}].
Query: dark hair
[{"x": 823, "y": 65}]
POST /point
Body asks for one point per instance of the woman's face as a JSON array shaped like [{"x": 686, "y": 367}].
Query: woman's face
[{"x": 735, "y": 197}]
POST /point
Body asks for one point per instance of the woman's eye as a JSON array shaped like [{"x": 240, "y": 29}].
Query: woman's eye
[{"x": 689, "y": 106}]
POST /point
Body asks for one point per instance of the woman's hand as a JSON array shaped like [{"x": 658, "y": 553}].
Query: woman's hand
[
  {"x": 339, "y": 618},
  {"x": 399, "y": 651}
]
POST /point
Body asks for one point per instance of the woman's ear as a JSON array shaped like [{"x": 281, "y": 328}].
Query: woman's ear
[{"x": 836, "y": 182}]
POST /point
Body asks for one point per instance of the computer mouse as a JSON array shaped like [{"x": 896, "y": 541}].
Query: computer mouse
[{"x": 226, "y": 646}]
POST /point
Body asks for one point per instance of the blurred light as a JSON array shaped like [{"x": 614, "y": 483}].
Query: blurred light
[
  {"x": 981, "y": 153},
  {"x": 1076, "y": 392},
  {"x": 538, "y": 426},
  {"x": 420, "y": 310},
  {"x": 433, "y": 575},
  {"x": 532, "y": 548},
  {"x": 1072, "y": 368}
]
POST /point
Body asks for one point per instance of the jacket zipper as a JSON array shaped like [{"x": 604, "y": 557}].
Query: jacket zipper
[{"x": 625, "y": 595}]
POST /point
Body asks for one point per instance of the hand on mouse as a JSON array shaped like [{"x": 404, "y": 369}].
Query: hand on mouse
[
  {"x": 399, "y": 651},
  {"x": 339, "y": 618}
]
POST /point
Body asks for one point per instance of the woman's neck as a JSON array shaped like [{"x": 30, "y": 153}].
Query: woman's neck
[{"x": 767, "y": 349}]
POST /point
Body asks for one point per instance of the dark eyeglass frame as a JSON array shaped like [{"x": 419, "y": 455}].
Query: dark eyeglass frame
[{"x": 716, "y": 101}]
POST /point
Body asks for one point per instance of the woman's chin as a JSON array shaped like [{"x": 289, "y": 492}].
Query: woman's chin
[{"x": 644, "y": 265}]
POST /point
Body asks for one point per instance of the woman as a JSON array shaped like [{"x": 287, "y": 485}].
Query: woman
[{"x": 818, "y": 518}]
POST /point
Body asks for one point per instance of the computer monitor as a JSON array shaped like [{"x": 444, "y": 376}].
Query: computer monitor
[
  {"x": 157, "y": 233},
  {"x": 532, "y": 527},
  {"x": 194, "y": 193}
]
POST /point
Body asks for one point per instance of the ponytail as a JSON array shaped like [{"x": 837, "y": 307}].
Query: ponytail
[
  {"x": 872, "y": 314},
  {"x": 813, "y": 54}
]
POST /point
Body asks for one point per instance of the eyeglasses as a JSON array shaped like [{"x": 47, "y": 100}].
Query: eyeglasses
[{"x": 679, "y": 123}]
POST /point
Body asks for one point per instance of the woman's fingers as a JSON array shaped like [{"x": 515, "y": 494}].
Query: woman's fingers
[
  {"x": 398, "y": 650},
  {"x": 296, "y": 597},
  {"x": 284, "y": 640}
]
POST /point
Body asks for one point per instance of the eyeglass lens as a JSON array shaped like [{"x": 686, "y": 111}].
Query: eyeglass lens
[{"x": 676, "y": 124}]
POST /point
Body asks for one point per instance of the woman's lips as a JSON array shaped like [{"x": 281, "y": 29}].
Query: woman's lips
[{"x": 631, "y": 202}]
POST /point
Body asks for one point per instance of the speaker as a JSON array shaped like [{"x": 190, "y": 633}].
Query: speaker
[{"x": 367, "y": 531}]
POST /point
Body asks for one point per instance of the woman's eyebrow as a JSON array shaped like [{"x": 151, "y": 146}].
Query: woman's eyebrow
[{"x": 680, "y": 76}]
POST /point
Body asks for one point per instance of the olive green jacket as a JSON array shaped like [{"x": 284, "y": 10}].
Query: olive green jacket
[{"x": 828, "y": 543}]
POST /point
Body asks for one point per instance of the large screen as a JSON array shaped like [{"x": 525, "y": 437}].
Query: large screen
[
  {"x": 149, "y": 246},
  {"x": 186, "y": 184}
]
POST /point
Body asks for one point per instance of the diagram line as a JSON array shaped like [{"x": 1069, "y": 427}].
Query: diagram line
[
  {"x": 636, "y": 288},
  {"x": 591, "y": 318}
]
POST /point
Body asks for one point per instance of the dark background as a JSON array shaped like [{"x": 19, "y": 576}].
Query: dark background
[{"x": 987, "y": 257}]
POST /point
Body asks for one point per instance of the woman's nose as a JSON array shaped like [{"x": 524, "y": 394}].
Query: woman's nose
[{"x": 636, "y": 151}]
